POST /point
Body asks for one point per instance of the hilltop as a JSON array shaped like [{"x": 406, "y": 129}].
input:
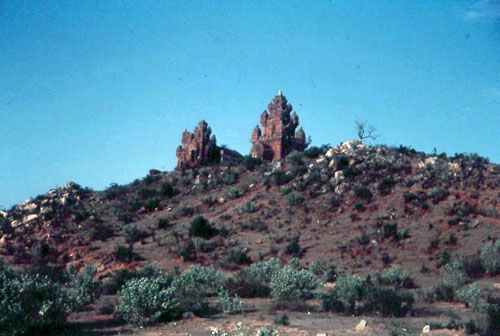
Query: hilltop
[{"x": 362, "y": 208}]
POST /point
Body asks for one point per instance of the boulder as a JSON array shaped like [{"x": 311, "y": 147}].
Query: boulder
[{"x": 361, "y": 325}]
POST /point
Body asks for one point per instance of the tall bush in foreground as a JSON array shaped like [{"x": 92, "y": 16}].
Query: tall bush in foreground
[
  {"x": 30, "y": 303},
  {"x": 291, "y": 285},
  {"x": 144, "y": 301}
]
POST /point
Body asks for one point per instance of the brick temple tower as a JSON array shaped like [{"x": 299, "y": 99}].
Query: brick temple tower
[
  {"x": 198, "y": 148},
  {"x": 278, "y": 136}
]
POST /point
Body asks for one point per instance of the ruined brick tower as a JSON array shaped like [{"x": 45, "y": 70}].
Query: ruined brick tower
[
  {"x": 199, "y": 147},
  {"x": 278, "y": 137}
]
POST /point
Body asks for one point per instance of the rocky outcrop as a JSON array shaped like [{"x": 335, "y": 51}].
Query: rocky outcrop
[
  {"x": 198, "y": 148},
  {"x": 278, "y": 137}
]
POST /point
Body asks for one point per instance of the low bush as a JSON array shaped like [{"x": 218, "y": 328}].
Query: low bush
[
  {"x": 396, "y": 276},
  {"x": 230, "y": 304},
  {"x": 168, "y": 190},
  {"x": 293, "y": 247},
  {"x": 490, "y": 257},
  {"x": 200, "y": 227},
  {"x": 239, "y": 256},
  {"x": 82, "y": 289},
  {"x": 363, "y": 192},
  {"x": 469, "y": 295},
  {"x": 248, "y": 207},
  {"x": 388, "y": 302},
  {"x": 294, "y": 199},
  {"x": 454, "y": 274}
]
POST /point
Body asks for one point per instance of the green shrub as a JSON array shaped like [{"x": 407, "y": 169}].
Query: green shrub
[
  {"x": 396, "y": 276},
  {"x": 492, "y": 320},
  {"x": 187, "y": 251},
  {"x": 118, "y": 279},
  {"x": 200, "y": 227},
  {"x": 124, "y": 253},
  {"x": 293, "y": 247},
  {"x": 133, "y": 234},
  {"x": 248, "y": 207},
  {"x": 350, "y": 288},
  {"x": 293, "y": 285},
  {"x": 294, "y": 199},
  {"x": 82, "y": 290},
  {"x": 168, "y": 190},
  {"x": 163, "y": 224},
  {"x": 192, "y": 286},
  {"x": 454, "y": 274},
  {"x": 390, "y": 230},
  {"x": 363, "y": 192},
  {"x": 469, "y": 296},
  {"x": 388, "y": 302},
  {"x": 144, "y": 301},
  {"x": 490, "y": 257},
  {"x": 280, "y": 178},
  {"x": 30, "y": 304},
  {"x": 254, "y": 281},
  {"x": 282, "y": 320},
  {"x": 230, "y": 304},
  {"x": 239, "y": 256},
  {"x": 313, "y": 152},
  {"x": 251, "y": 162}
]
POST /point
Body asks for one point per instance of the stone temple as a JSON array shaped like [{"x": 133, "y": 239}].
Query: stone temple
[
  {"x": 198, "y": 148},
  {"x": 278, "y": 137}
]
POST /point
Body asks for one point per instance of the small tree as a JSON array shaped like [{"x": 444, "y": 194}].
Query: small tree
[{"x": 365, "y": 131}]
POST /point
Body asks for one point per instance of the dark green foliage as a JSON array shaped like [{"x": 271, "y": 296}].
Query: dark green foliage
[
  {"x": 293, "y": 285},
  {"x": 124, "y": 253},
  {"x": 254, "y": 281},
  {"x": 168, "y": 190},
  {"x": 351, "y": 171},
  {"x": 313, "y": 152},
  {"x": 200, "y": 227},
  {"x": 363, "y": 192},
  {"x": 188, "y": 251},
  {"x": 239, "y": 257},
  {"x": 280, "y": 178},
  {"x": 248, "y": 207},
  {"x": 163, "y": 224},
  {"x": 282, "y": 320},
  {"x": 293, "y": 247},
  {"x": 152, "y": 204},
  {"x": 146, "y": 193},
  {"x": 374, "y": 298},
  {"x": 493, "y": 320},
  {"x": 251, "y": 162},
  {"x": 294, "y": 199},
  {"x": 385, "y": 187},
  {"x": 331, "y": 273},
  {"x": 389, "y": 302},
  {"x": 390, "y": 230},
  {"x": 133, "y": 234},
  {"x": 102, "y": 232}
]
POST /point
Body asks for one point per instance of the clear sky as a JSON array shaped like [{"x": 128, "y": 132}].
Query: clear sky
[{"x": 100, "y": 91}]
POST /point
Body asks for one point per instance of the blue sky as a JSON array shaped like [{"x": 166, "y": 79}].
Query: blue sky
[{"x": 100, "y": 91}]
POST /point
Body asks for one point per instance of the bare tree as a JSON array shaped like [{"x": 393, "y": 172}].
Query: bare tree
[{"x": 365, "y": 131}]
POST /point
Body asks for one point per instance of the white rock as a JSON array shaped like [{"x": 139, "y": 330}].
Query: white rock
[
  {"x": 426, "y": 329},
  {"x": 321, "y": 334},
  {"x": 361, "y": 325},
  {"x": 320, "y": 159},
  {"x": 221, "y": 200},
  {"x": 3, "y": 213},
  {"x": 454, "y": 166},
  {"x": 330, "y": 153},
  {"x": 339, "y": 175},
  {"x": 30, "y": 218},
  {"x": 250, "y": 186},
  {"x": 350, "y": 145},
  {"x": 431, "y": 161}
]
